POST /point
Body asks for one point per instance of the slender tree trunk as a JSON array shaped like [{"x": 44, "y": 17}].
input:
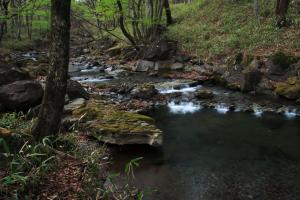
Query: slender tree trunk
[
  {"x": 168, "y": 12},
  {"x": 28, "y": 26},
  {"x": 122, "y": 25},
  {"x": 3, "y": 22},
  {"x": 53, "y": 102},
  {"x": 281, "y": 11},
  {"x": 19, "y": 27}
]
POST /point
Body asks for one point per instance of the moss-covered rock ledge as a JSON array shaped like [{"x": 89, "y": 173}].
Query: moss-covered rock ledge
[{"x": 108, "y": 123}]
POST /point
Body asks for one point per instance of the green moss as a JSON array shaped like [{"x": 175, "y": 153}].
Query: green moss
[
  {"x": 138, "y": 117},
  {"x": 90, "y": 111},
  {"x": 289, "y": 89},
  {"x": 102, "y": 86},
  {"x": 108, "y": 118}
]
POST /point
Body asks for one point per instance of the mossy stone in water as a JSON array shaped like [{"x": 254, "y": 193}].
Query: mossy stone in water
[
  {"x": 289, "y": 89},
  {"x": 108, "y": 123}
]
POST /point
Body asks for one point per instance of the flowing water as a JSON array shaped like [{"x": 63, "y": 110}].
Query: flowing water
[
  {"x": 214, "y": 154},
  {"x": 218, "y": 154}
]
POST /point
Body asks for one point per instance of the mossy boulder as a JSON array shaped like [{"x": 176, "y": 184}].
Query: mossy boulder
[
  {"x": 144, "y": 91},
  {"x": 289, "y": 89},
  {"x": 108, "y": 123}
]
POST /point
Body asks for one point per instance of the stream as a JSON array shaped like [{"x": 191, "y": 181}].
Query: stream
[
  {"x": 212, "y": 155},
  {"x": 219, "y": 152}
]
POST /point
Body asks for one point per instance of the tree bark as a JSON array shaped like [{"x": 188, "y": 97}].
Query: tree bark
[
  {"x": 281, "y": 11},
  {"x": 122, "y": 25},
  {"x": 53, "y": 102},
  {"x": 3, "y": 22},
  {"x": 168, "y": 12}
]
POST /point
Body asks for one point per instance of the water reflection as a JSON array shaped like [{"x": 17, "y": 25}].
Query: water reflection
[{"x": 207, "y": 155}]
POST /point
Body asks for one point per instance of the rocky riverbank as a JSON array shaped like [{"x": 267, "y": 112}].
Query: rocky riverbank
[{"x": 102, "y": 87}]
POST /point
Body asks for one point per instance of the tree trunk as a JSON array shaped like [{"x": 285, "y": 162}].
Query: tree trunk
[
  {"x": 53, "y": 102},
  {"x": 281, "y": 11},
  {"x": 122, "y": 25},
  {"x": 168, "y": 12},
  {"x": 3, "y": 13}
]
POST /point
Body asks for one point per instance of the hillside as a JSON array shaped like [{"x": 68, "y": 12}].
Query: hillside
[{"x": 218, "y": 28}]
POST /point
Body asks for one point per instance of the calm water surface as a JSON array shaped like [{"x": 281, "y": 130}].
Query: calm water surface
[{"x": 212, "y": 156}]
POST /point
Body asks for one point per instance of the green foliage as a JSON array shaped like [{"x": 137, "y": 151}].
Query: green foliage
[
  {"x": 12, "y": 120},
  {"x": 5, "y": 146},
  {"x": 27, "y": 165},
  {"x": 131, "y": 165},
  {"x": 220, "y": 28}
]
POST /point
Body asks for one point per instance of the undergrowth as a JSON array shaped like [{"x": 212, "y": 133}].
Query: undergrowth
[
  {"x": 27, "y": 167},
  {"x": 214, "y": 29}
]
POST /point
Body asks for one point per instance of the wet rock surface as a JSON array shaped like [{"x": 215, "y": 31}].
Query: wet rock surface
[
  {"x": 190, "y": 87},
  {"x": 183, "y": 87},
  {"x": 145, "y": 91},
  {"x": 204, "y": 94}
]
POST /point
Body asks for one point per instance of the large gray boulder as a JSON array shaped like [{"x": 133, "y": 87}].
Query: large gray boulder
[
  {"x": 143, "y": 66},
  {"x": 21, "y": 95}
]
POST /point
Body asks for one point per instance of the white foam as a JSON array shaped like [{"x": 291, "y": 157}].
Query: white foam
[
  {"x": 89, "y": 79},
  {"x": 181, "y": 90},
  {"x": 30, "y": 56},
  {"x": 257, "y": 111},
  {"x": 222, "y": 108},
  {"x": 216, "y": 93},
  {"x": 290, "y": 113},
  {"x": 93, "y": 80},
  {"x": 94, "y": 69},
  {"x": 183, "y": 107}
]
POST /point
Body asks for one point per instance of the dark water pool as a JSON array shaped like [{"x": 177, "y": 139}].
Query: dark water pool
[{"x": 212, "y": 156}]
